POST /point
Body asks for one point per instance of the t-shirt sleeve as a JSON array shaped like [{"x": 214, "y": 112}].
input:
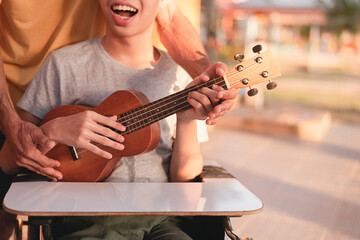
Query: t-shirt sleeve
[{"x": 43, "y": 93}]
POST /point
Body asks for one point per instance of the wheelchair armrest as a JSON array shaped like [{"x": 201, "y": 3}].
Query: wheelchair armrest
[
  {"x": 212, "y": 171},
  {"x": 31, "y": 177}
]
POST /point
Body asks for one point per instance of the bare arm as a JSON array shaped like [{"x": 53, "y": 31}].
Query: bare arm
[
  {"x": 186, "y": 161},
  {"x": 182, "y": 40},
  {"x": 28, "y": 142},
  {"x": 7, "y": 111},
  {"x": 184, "y": 45},
  {"x": 82, "y": 130},
  {"x": 22, "y": 136}
]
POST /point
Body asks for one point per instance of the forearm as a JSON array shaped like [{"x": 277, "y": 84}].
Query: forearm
[
  {"x": 186, "y": 162},
  {"x": 183, "y": 43},
  {"x": 52, "y": 129},
  {"x": 7, "y": 154},
  {"x": 8, "y": 115}
]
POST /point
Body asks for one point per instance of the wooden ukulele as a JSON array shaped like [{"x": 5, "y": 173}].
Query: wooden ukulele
[{"x": 140, "y": 117}]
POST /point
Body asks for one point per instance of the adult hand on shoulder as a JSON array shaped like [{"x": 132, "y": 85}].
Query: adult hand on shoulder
[
  {"x": 211, "y": 104},
  {"x": 24, "y": 138},
  {"x": 86, "y": 130}
]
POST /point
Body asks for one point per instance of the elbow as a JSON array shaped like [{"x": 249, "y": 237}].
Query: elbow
[
  {"x": 184, "y": 177},
  {"x": 186, "y": 172}
]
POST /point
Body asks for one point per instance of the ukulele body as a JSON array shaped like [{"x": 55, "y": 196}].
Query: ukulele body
[{"x": 91, "y": 167}]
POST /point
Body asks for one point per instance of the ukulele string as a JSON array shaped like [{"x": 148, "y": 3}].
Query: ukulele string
[
  {"x": 196, "y": 87},
  {"x": 170, "y": 103},
  {"x": 135, "y": 114},
  {"x": 231, "y": 74},
  {"x": 155, "y": 106},
  {"x": 133, "y": 130}
]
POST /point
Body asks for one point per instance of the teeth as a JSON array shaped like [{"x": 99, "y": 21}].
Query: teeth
[{"x": 124, "y": 8}]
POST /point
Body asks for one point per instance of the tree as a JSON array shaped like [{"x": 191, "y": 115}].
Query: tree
[{"x": 343, "y": 15}]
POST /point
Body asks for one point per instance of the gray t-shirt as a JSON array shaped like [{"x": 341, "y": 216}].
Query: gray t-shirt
[{"x": 84, "y": 74}]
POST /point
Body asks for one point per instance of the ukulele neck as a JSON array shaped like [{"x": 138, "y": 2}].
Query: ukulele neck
[{"x": 150, "y": 113}]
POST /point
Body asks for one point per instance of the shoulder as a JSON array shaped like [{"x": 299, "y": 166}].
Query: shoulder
[
  {"x": 172, "y": 73},
  {"x": 167, "y": 62},
  {"x": 76, "y": 52},
  {"x": 165, "y": 59}
]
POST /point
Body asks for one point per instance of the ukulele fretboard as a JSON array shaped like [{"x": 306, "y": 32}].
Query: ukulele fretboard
[{"x": 150, "y": 113}]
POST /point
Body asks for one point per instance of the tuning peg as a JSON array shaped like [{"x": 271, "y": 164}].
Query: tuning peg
[
  {"x": 245, "y": 81},
  {"x": 252, "y": 92},
  {"x": 265, "y": 74},
  {"x": 257, "y": 49},
  {"x": 239, "y": 57},
  {"x": 271, "y": 85},
  {"x": 240, "y": 68}
]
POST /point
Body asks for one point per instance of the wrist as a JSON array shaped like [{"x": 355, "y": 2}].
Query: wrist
[
  {"x": 48, "y": 128},
  {"x": 182, "y": 118},
  {"x": 10, "y": 122},
  {"x": 7, "y": 110},
  {"x": 185, "y": 125}
]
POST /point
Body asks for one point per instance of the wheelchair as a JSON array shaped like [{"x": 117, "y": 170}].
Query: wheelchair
[{"x": 202, "y": 227}]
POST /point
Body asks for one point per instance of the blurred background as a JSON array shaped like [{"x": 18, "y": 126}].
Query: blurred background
[
  {"x": 312, "y": 39},
  {"x": 297, "y": 147}
]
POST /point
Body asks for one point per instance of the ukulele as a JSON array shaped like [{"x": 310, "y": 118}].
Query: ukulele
[{"x": 140, "y": 117}]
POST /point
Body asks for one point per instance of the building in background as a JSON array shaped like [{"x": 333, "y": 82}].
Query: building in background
[{"x": 285, "y": 26}]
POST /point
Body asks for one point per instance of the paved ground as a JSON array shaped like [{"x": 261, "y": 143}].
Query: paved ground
[{"x": 309, "y": 190}]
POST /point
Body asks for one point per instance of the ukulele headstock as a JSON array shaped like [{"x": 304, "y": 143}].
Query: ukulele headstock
[{"x": 260, "y": 68}]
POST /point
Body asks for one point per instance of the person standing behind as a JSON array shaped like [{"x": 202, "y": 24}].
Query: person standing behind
[
  {"x": 29, "y": 31},
  {"x": 125, "y": 59}
]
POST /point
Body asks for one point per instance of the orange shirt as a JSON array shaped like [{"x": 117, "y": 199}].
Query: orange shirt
[{"x": 31, "y": 29}]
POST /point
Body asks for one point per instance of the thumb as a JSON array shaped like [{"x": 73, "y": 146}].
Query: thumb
[{"x": 40, "y": 138}]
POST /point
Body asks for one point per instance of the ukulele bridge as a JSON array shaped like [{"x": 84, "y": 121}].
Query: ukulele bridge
[{"x": 74, "y": 154}]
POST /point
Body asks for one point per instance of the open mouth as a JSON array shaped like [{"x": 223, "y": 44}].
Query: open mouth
[{"x": 124, "y": 11}]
